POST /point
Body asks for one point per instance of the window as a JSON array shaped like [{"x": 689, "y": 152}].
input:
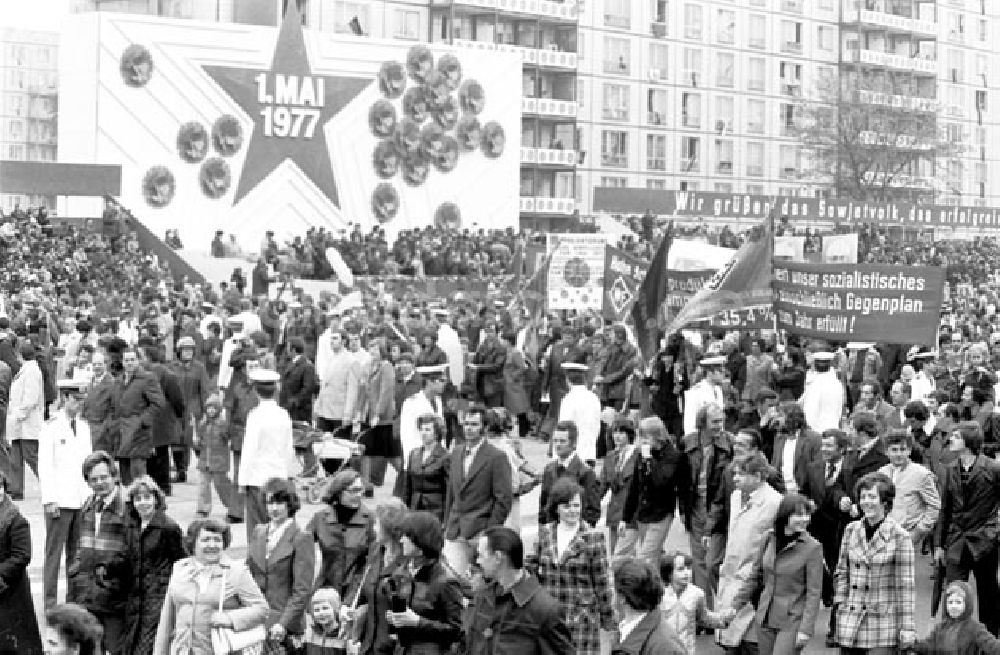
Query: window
[
  {"x": 757, "y": 31},
  {"x": 660, "y": 11},
  {"x": 690, "y": 154},
  {"x": 791, "y": 78},
  {"x": 693, "y": 22},
  {"x": 581, "y": 91},
  {"x": 724, "y": 156},
  {"x": 826, "y": 5},
  {"x": 405, "y": 24},
  {"x": 656, "y": 152},
  {"x": 345, "y": 12},
  {"x": 755, "y": 159},
  {"x": 615, "y": 107},
  {"x": 656, "y": 107},
  {"x": 789, "y": 162},
  {"x": 725, "y": 26},
  {"x": 692, "y": 66},
  {"x": 657, "y": 184},
  {"x": 755, "y": 116},
  {"x": 658, "y": 66},
  {"x": 616, "y": 56},
  {"x": 824, "y": 37},
  {"x": 616, "y": 182},
  {"x": 755, "y": 189},
  {"x": 689, "y": 185},
  {"x": 614, "y": 148},
  {"x": 791, "y": 36},
  {"x": 983, "y": 30},
  {"x": 980, "y": 100},
  {"x": 617, "y": 14},
  {"x": 956, "y": 65},
  {"x": 691, "y": 109},
  {"x": 724, "y": 112},
  {"x": 724, "y": 77},
  {"x": 723, "y": 187},
  {"x": 787, "y": 116},
  {"x": 794, "y": 6},
  {"x": 15, "y": 151},
  {"x": 756, "y": 72}
]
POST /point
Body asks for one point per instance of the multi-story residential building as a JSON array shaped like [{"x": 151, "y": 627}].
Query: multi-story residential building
[
  {"x": 691, "y": 94},
  {"x": 28, "y": 80}
]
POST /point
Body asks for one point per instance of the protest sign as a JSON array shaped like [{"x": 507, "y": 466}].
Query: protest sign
[
  {"x": 693, "y": 255},
  {"x": 881, "y": 303},
  {"x": 789, "y": 248},
  {"x": 576, "y": 271},
  {"x": 623, "y": 273}
]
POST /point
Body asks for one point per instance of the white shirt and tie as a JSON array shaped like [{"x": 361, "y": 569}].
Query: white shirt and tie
[{"x": 470, "y": 456}]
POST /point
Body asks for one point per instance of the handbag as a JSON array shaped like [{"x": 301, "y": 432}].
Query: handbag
[{"x": 227, "y": 641}]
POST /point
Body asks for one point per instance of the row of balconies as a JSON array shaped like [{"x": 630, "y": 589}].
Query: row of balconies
[
  {"x": 920, "y": 64},
  {"x": 892, "y": 22},
  {"x": 567, "y": 10},
  {"x": 532, "y": 56},
  {"x": 549, "y": 156}
]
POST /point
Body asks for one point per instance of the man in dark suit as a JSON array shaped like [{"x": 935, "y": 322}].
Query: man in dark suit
[
  {"x": 867, "y": 458},
  {"x": 167, "y": 428},
  {"x": 568, "y": 464},
  {"x": 487, "y": 364},
  {"x": 298, "y": 383},
  {"x": 99, "y": 405},
  {"x": 136, "y": 410},
  {"x": 479, "y": 493},
  {"x": 616, "y": 477},
  {"x": 827, "y": 488},
  {"x": 795, "y": 448}
]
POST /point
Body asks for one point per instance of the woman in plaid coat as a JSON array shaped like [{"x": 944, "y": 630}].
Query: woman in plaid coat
[
  {"x": 874, "y": 580},
  {"x": 571, "y": 562}
]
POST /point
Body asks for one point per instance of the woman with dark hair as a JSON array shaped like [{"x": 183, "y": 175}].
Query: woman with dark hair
[
  {"x": 616, "y": 477},
  {"x": 344, "y": 530},
  {"x": 788, "y": 580},
  {"x": 428, "y": 611},
  {"x": 378, "y": 409},
  {"x": 425, "y": 478},
  {"x": 875, "y": 570},
  {"x": 571, "y": 562},
  {"x": 380, "y": 587},
  {"x": 515, "y": 393},
  {"x": 18, "y": 627},
  {"x": 153, "y": 543},
  {"x": 207, "y": 591},
  {"x": 790, "y": 380},
  {"x": 72, "y": 630},
  {"x": 642, "y": 630},
  {"x": 280, "y": 558}
]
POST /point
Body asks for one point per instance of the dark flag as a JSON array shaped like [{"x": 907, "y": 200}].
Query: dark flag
[{"x": 647, "y": 313}]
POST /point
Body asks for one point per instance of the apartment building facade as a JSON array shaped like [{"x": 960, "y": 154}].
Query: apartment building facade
[
  {"x": 696, "y": 95},
  {"x": 28, "y": 104}
]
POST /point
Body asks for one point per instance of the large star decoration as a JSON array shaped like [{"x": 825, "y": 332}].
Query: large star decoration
[{"x": 289, "y": 107}]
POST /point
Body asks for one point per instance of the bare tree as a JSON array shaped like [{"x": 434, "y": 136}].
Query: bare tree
[{"x": 872, "y": 138}]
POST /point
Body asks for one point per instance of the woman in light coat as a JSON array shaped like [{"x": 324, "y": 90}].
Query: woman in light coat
[
  {"x": 191, "y": 608},
  {"x": 25, "y": 415}
]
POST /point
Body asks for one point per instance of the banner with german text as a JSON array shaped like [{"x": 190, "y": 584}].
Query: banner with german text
[{"x": 881, "y": 303}]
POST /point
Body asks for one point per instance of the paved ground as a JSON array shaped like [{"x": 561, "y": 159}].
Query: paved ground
[{"x": 182, "y": 509}]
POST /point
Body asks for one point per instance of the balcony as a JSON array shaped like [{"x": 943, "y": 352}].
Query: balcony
[
  {"x": 892, "y": 22},
  {"x": 567, "y": 11},
  {"x": 614, "y": 159},
  {"x": 873, "y": 138},
  {"x": 901, "y": 181},
  {"x": 549, "y": 157},
  {"x": 656, "y": 163},
  {"x": 546, "y": 205},
  {"x": 549, "y": 107},
  {"x": 656, "y": 118},
  {"x": 616, "y": 67},
  {"x": 616, "y": 21},
  {"x": 793, "y": 47},
  {"x": 690, "y": 165},
  {"x": 531, "y": 56},
  {"x": 920, "y": 65},
  {"x": 658, "y": 30},
  {"x": 724, "y": 168},
  {"x": 911, "y": 103}
]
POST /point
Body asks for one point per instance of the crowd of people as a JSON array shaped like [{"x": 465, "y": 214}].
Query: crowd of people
[{"x": 804, "y": 473}]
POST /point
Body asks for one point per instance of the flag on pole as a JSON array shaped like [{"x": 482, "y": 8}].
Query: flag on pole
[
  {"x": 532, "y": 297},
  {"x": 647, "y": 312},
  {"x": 744, "y": 282}
]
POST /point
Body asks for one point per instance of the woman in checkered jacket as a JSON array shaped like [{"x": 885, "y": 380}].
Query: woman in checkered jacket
[{"x": 874, "y": 580}]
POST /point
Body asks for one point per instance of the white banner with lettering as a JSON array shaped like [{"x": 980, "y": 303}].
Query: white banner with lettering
[{"x": 576, "y": 274}]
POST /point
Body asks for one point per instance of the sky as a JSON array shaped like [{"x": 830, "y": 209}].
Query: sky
[{"x": 33, "y": 14}]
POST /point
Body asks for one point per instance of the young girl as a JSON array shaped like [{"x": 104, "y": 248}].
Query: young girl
[
  {"x": 683, "y": 604},
  {"x": 323, "y": 627},
  {"x": 958, "y": 633}
]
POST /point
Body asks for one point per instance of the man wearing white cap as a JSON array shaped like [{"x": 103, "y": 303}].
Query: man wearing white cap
[
  {"x": 823, "y": 398},
  {"x": 922, "y": 384},
  {"x": 63, "y": 445},
  {"x": 707, "y": 391},
  {"x": 268, "y": 448},
  {"x": 581, "y": 406}
]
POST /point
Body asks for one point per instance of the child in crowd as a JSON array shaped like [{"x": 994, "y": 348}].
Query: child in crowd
[
  {"x": 322, "y": 636},
  {"x": 683, "y": 604},
  {"x": 211, "y": 443},
  {"x": 958, "y": 633}
]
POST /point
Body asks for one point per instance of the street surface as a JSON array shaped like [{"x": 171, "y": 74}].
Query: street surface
[{"x": 181, "y": 507}]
